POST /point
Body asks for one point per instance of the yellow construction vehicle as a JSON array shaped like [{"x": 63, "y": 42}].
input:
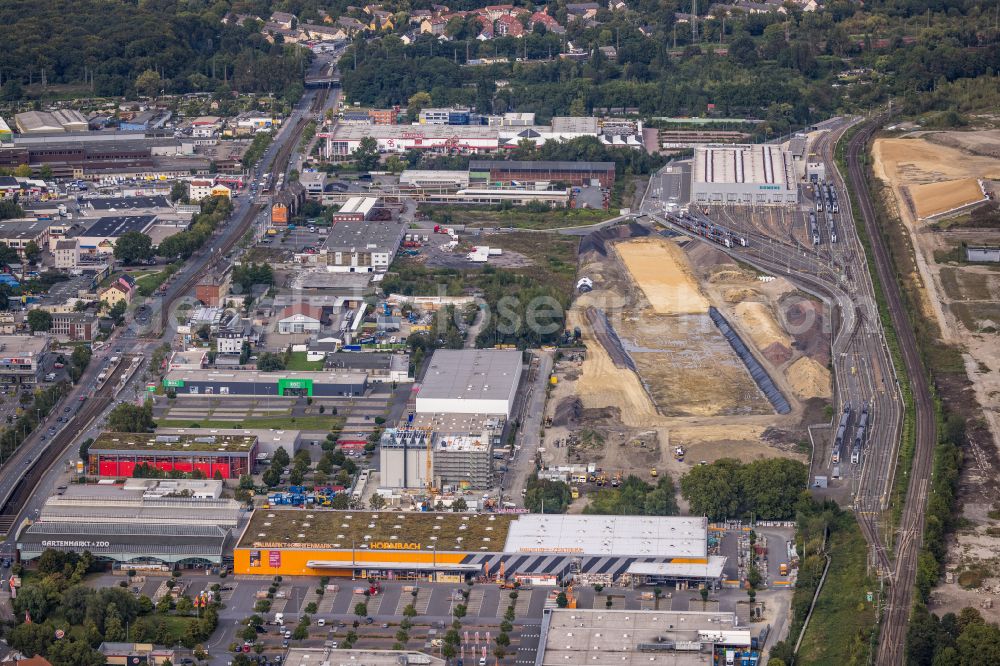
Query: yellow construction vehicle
[
  {"x": 574, "y": 492},
  {"x": 653, "y": 473}
]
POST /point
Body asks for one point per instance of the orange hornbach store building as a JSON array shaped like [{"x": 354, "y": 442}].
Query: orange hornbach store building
[{"x": 453, "y": 546}]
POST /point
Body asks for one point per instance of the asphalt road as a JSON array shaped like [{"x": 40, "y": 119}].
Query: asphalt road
[{"x": 532, "y": 411}]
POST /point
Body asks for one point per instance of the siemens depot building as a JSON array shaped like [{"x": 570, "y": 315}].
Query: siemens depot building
[
  {"x": 451, "y": 547},
  {"x": 759, "y": 174}
]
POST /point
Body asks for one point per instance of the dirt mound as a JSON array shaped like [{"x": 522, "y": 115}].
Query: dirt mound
[
  {"x": 804, "y": 319},
  {"x": 663, "y": 273},
  {"x": 568, "y": 412},
  {"x": 703, "y": 255},
  {"x": 809, "y": 379},
  {"x": 983, "y": 142},
  {"x": 777, "y": 354},
  {"x": 740, "y": 295},
  {"x": 728, "y": 273},
  {"x": 759, "y": 322},
  {"x": 597, "y": 241}
]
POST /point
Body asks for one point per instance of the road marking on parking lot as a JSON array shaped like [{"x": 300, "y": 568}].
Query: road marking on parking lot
[
  {"x": 374, "y": 603},
  {"x": 523, "y": 603},
  {"x": 423, "y": 601},
  {"x": 405, "y": 599},
  {"x": 474, "y": 605}
]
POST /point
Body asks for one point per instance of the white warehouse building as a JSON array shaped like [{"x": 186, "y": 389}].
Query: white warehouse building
[
  {"x": 470, "y": 381},
  {"x": 744, "y": 175}
]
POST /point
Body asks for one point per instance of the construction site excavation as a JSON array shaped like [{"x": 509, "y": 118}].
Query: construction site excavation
[{"x": 657, "y": 385}]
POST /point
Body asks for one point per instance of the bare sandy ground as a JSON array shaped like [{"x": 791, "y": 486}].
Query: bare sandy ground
[
  {"x": 663, "y": 273},
  {"x": 691, "y": 389},
  {"x": 930, "y": 199},
  {"x": 809, "y": 379},
  {"x": 935, "y": 169}
]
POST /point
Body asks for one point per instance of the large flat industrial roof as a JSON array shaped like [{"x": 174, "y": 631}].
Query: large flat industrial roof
[
  {"x": 540, "y": 165},
  {"x": 113, "y": 227},
  {"x": 315, "y": 528},
  {"x": 761, "y": 164},
  {"x": 285, "y": 438},
  {"x": 358, "y": 205},
  {"x": 129, "y": 203},
  {"x": 351, "y": 236},
  {"x": 653, "y": 536},
  {"x": 18, "y": 345},
  {"x": 182, "y": 444},
  {"x": 113, "y": 504},
  {"x": 23, "y": 229},
  {"x": 324, "y": 657},
  {"x": 711, "y": 568},
  {"x": 576, "y": 637},
  {"x": 452, "y": 423},
  {"x": 471, "y": 374},
  {"x": 261, "y": 377},
  {"x": 345, "y": 132}
]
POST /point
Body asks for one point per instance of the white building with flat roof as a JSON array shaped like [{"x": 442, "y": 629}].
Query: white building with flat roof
[
  {"x": 744, "y": 175},
  {"x": 660, "y": 536},
  {"x": 470, "y": 381},
  {"x": 578, "y": 637}
]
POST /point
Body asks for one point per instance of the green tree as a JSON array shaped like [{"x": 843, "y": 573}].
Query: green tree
[
  {"x": 148, "y": 83},
  {"x": 366, "y": 155},
  {"x": 459, "y": 505},
  {"x": 281, "y": 458},
  {"x": 114, "y": 630},
  {"x": 126, "y": 417},
  {"x": 117, "y": 312},
  {"x": 361, "y": 609},
  {"x": 133, "y": 246},
  {"x": 185, "y": 605},
  {"x": 39, "y": 320},
  {"x": 31, "y": 638},
  {"x": 268, "y": 362},
  {"x": 8, "y": 209},
  {"x": 394, "y": 164},
  {"x": 376, "y": 502},
  {"x": 714, "y": 490},
  {"x": 32, "y": 252},
  {"x": 743, "y": 51},
  {"x": 179, "y": 191},
  {"x": 548, "y": 496},
  {"x": 22, "y": 171},
  {"x": 418, "y": 101}
]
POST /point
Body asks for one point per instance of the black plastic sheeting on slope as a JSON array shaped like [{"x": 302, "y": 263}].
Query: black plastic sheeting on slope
[{"x": 764, "y": 381}]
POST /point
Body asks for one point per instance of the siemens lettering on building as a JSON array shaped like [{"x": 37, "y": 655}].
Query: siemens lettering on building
[{"x": 743, "y": 174}]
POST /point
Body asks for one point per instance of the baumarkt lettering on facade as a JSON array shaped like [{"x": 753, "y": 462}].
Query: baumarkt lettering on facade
[{"x": 76, "y": 544}]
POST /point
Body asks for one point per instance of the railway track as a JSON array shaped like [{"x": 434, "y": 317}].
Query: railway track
[
  {"x": 56, "y": 448},
  {"x": 278, "y": 165},
  {"x": 897, "y": 609}
]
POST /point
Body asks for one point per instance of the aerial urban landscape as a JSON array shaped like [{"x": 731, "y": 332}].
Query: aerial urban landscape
[{"x": 571, "y": 334}]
